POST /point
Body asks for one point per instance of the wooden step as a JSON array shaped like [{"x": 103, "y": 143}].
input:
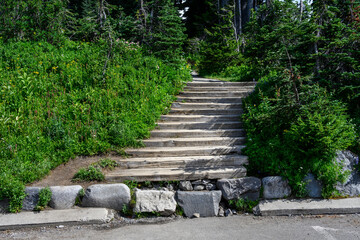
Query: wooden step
[
  {"x": 164, "y": 174},
  {"x": 199, "y": 118},
  {"x": 219, "y": 106},
  {"x": 209, "y": 99},
  {"x": 192, "y": 142},
  {"x": 185, "y": 151},
  {"x": 184, "y": 162},
  {"x": 206, "y": 111},
  {"x": 200, "y": 125},
  {"x": 181, "y": 133}
]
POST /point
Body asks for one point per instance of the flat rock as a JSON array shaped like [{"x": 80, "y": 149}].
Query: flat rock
[
  {"x": 313, "y": 186},
  {"x": 162, "y": 202},
  {"x": 204, "y": 203},
  {"x": 59, "y": 217},
  {"x": 113, "y": 196},
  {"x": 348, "y": 161},
  {"x": 275, "y": 187},
  {"x": 247, "y": 187},
  {"x": 185, "y": 186},
  {"x": 199, "y": 187},
  {"x": 285, "y": 207},
  {"x": 4, "y": 206},
  {"x": 64, "y": 197},
  {"x": 31, "y": 199}
]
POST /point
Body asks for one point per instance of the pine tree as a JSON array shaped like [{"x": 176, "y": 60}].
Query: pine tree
[{"x": 166, "y": 36}]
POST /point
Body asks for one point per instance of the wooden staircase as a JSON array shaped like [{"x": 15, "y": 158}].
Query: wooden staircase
[{"x": 200, "y": 138}]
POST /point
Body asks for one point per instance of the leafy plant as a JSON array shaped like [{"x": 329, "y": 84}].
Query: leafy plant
[
  {"x": 44, "y": 199},
  {"x": 243, "y": 204},
  {"x": 89, "y": 174},
  {"x": 106, "y": 163}
]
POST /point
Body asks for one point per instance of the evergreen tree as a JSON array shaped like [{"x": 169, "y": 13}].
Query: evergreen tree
[{"x": 166, "y": 35}]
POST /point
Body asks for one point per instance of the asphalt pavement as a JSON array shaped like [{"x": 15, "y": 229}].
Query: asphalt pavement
[{"x": 327, "y": 227}]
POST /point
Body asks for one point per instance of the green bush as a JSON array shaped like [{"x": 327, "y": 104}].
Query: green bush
[
  {"x": 44, "y": 199},
  {"x": 57, "y": 102},
  {"x": 295, "y": 128},
  {"x": 89, "y": 174}
]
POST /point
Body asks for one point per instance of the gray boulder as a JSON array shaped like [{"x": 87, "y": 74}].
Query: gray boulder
[
  {"x": 313, "y": 186},
  {"x": 348, "y": 161},
  {"x": 275, "y": 187},
  {"x": 64, "y": 197},
  {"x": 113, "y": 196},
  {"x": 185, "y": 186},
  {"x": 204, "y": 203},
  {"x": 247, "y": 187},
  {"x": 199, "y": 187},
  {"x": 162, "y": 202},
  {"x": 31, "y": 199},
  {"x": 4, "y": 206}
]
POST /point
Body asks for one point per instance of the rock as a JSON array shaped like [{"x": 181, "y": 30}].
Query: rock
[
  {"x": 275, "y": 187},
  {"x": 247, "y": 187},
  {"x": 348, "y": 161},
  {"x": 228, "y": 212},
  {"x": 313, "y": 186},
  {"x": 162, "y": 202},
  {"x": 64, "y": 197},
  {"x": 221, "y": 212},
  {"x": 31, "y": 199},
  {"x": 4, "y": 206},
  {"x": 170, "y": 187},
  {"x": 199, "y": 187},
  {"x": 113, "y": 196},
  {"x": 196, "y": 215},
  {"x": 186, "y": 186},
  {"x": 201, "y": 182},
  {"x": 205, "y": 203},
  {"x": 210, "y": 187}
]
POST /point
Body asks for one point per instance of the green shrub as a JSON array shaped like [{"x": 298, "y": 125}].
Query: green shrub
[
  {"x": 56, "y": 102},
  {"x": 106, "y": 163},
  {"x": 243, "y": 204},
  {"x": 89, "y": 174},
  {"x": 44, "y": 199},
  {"x": 294, "y": 132}
]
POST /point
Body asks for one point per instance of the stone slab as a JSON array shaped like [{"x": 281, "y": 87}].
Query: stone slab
[
  {"x": 55, "y": 217},
  {"x": 204, "y": 203},
  {"x": 309, "y": 206},
  {"x": 113, "y": 196},
  {"x": 247, "y": 187},
  {"x": 64, "y": 197},
  {"x": 148, "y": 201},
  {"x": 31, "y": 199}
]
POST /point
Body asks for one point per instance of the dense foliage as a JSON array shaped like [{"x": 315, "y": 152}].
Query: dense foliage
[
  {"x": 306, "y": 104},
  {"x": 72, "y": 85}
]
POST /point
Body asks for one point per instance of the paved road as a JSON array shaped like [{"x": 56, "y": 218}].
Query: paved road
[{"x": 235, "y": 227}]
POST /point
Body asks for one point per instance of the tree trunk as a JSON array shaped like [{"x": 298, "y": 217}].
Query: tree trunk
[{"x": 237, "y": 17}]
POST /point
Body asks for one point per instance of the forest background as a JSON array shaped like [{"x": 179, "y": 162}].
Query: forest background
[{"x": 93, "y": 76}]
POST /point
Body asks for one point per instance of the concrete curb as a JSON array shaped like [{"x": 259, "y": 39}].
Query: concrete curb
[
  {"x": 56, "y": 217},
  {"x": 308, "y": 207}
]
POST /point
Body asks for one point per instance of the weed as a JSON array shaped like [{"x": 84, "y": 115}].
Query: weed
[
  {"x": 89, "y": 174},
  {"x": 44, "y": 199},
  {"x": 106, "y": 163},
  {"x": 243, "y": 204}
]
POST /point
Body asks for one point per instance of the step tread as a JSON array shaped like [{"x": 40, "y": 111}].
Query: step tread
[
  {"x": 184, "y": 158},
  {"x": 192, "y": 139},
  {"x": 156, "y": 174},
  {"x": 175, "y": 149}
]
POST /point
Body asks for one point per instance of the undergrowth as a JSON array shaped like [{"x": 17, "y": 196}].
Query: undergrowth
[{"x": 59, "y": 101}]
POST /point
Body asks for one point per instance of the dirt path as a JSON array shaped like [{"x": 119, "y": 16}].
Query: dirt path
[{"x": 62, "y": 175}]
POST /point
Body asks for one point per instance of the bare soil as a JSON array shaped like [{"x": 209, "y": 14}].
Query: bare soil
[{"x": 63, "y": 174}]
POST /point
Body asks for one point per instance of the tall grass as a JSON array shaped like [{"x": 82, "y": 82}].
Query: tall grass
[{"x": 57, "y": 102}]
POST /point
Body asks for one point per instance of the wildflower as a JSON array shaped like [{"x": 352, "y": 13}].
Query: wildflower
[{"x": 36, "y": 72}]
